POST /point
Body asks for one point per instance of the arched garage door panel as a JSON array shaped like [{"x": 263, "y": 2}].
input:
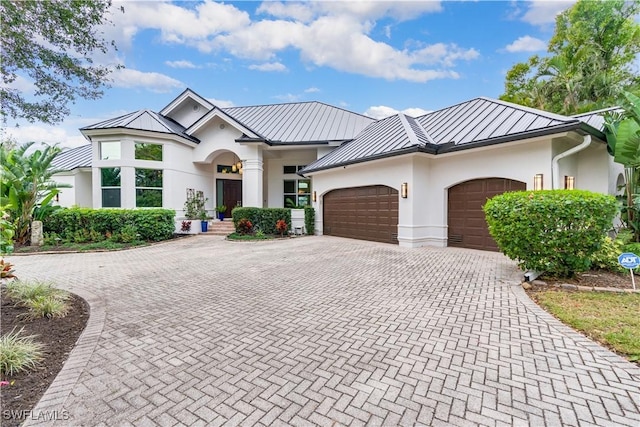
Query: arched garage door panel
[
  {"x": 366, "y": 213},
  {"x": 466, "y": 221}
]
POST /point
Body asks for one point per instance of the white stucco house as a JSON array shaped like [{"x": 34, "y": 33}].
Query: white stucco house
[{"x": 413, "y": 181}]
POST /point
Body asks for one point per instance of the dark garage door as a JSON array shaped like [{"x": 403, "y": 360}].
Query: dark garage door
[
  {"x": 367, "y": 213},
  {"x": 467, "y": 224}
]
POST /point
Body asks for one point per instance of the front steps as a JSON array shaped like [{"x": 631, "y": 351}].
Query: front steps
[{"x": 220, "y": 228}]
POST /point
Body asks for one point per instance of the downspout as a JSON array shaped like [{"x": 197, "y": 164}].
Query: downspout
[{"x": 555, "y": 171}]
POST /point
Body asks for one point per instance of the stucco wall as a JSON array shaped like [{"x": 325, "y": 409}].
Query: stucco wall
[{"x": 80, "y": 192}]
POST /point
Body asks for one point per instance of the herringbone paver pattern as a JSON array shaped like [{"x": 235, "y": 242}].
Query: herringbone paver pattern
[{"x": 328, "y": 331}]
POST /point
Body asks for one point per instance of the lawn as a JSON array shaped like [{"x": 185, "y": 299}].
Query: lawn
[
  {"x": 105, "y": 245},
  {"x": 609, "y": 318}
]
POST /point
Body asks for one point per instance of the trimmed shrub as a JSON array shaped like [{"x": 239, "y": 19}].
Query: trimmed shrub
[
  {"x": 263, "y": 219},
  {"x": 555, "y": 231},
  {"x": 310, "y": 220},
  {"x": 75, "y": 224}
]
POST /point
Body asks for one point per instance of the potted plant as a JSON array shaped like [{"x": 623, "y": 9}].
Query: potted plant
[
  {"x": 221, "y": 209},
  {"x": 204, "y": 223}
]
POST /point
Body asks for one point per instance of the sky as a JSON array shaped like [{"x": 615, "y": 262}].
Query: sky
[{"x": 371, "y": 57}]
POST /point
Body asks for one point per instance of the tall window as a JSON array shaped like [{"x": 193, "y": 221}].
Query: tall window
[
  {"x": 110, "y": 183},
  {"x": 297, "y": 192},
  {"x": 148, "y": 151},
  {"x": 148, "y": 188},
  {"x": 109, "y": 150}
]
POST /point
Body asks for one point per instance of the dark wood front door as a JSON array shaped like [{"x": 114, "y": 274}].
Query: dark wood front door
[
  {"x": 466, "y": 220},
  {"x": 231, "y": 194},
  {"x": 367, "y": 213}
]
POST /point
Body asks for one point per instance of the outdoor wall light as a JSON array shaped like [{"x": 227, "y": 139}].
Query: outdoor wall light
[
  {"x": 538, "y": 182},
  {"x": 569, "y": 182},
  {"x": 314, "y": 197},
  {"x": 404, "y": 190}
]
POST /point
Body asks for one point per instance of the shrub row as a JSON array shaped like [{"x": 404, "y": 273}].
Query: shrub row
[
  {"x": 149, "y": 224},
  {"x": 310, "y": 220},
  {"x": 263, "y": 219},
  {"x": 555, "y": 231}
]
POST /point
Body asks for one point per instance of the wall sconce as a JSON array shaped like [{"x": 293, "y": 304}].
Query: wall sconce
[
  {"x": 404, "y": 190},
  {"x": 58, "y": 197},
  {"x": 314, "y": 197},
  {"x": 538, "y": 182},
  {"x": 569, "y": 182}
]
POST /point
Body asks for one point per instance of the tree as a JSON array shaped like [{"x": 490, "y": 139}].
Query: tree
[
  {"x": 27, "y": 184},
  {"x": 52, "y": 44},
  {"x": 589, "y": 62}
]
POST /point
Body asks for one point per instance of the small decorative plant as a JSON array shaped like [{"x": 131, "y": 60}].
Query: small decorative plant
[
  {"x": 281, "y": 227},
  {"x": 185, "y": 226},
  {"x": 194, "y": 206},
  {"x": 245, "y": 226},
  {"x": 6, "y": 270},
  {"x": 221, "y": 209}
]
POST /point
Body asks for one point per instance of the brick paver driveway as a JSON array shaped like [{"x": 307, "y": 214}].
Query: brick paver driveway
[{"x": 326, "y": 331}]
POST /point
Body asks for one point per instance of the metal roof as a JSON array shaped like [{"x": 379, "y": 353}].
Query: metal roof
[
  {"x": 74, "y": 158},
  {"x": 143, "y": 120},
  {"x": 595, "y": 119},
  {"x": 482, "y": 118},
  {"x": 300, "y": 122},
  {"x": 478, "y": 122},
  {"x": 392, "y": 135}
]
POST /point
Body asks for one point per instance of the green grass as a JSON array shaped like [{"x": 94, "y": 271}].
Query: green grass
[
  {"x": 236, "y": 236},
  {"x": 609, "y": 318},
  {"x": 18, "y": 353}
]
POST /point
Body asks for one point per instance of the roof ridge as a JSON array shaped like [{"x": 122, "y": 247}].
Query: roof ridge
[
  {"x": 601, "y": 110},
  {"x": 298, "y": 103},
  {"x": 408, "y": 129},
  {"x": 547, "y": 114}
]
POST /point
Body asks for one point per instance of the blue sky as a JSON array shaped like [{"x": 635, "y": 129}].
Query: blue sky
[{"x": 371, "y": 57}]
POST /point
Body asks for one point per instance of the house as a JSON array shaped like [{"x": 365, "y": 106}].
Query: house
[{"x": 413, "y": 181}]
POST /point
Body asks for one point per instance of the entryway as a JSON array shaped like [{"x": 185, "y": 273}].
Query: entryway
[{"x": 229, "y": 193}]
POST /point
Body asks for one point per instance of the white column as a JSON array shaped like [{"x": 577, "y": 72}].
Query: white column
[{"x": 252, "y": 178}]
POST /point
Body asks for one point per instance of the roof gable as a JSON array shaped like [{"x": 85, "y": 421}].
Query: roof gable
[{"x": 185, "y": 96}]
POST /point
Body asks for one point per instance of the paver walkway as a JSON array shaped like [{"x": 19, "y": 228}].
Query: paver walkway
[{"x": 324, "y": 331}]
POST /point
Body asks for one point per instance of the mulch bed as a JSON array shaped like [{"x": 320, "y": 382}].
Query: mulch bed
[
  {"x": 593, "y": 278},
  {"x": 58, "y": 337}
]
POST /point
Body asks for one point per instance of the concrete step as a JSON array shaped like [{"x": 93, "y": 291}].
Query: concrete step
[{"x": 220, "y": 228}]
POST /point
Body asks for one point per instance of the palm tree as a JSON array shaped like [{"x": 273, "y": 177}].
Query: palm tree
[{"x": 26, "y": 183}]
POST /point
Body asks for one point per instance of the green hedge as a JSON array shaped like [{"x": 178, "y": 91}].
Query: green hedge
[
  {"x": 150, "y": 224},
  {"x": 555, "y": 231},
  {"x": 263, "y": 219},
  {"x": 310, "y": 220}
]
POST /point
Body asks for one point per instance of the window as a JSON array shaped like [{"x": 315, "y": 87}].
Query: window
[
  {"x": 110, "y": 183},
  {"x": 297, "y": 192},
  {"x": 148, "y": 152},
  {"x": 148, "y": 188},
  {"x": 227, "y": 169},
  {"x": 110, "y": 150},
  {"x": 292, "y": 169}
]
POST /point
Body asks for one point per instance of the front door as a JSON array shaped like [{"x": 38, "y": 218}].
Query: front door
[{"x": 231, "y": 194}]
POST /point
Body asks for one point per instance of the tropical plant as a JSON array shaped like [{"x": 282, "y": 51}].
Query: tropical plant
[
  {"x": 48, "y": 307},
  {"x": 281, "y": 226},
  {"x": 7, "y": 231},
  {"x": 221, "y": 208},
  {"x": 194, "y": 205},
  {"x": 27, "y": 184},
  {"x": 6, "y": 270},
  {"x": 623, "y": 139},
  {"x": 18, "y": 353},
  {"x": 244, "y": 226}
]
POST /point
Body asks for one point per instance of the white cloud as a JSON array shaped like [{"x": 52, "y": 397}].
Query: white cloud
[
  {"x": 222, "y": 103},
  {"x": 47, "y": 134},
  {"x": 155, "y": 82},
  {"x": 526, "y": 44},
  {"x": 22, "y": 84},
  {"x": 312, "y": 90},
  {"x": 268, "y": 66},
  {"x": 181, "y": 64},
  {"x": 288, "y": 97},
  {"x": 381, "y": 111},
  {"x": 333, "y": 34},
  {"x": 543, "y": 12}
]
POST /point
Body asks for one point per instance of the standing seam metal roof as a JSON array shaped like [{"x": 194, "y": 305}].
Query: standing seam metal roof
[
  {"x": 465, "y": 125},
  {"x": 74, "y": 158}
]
